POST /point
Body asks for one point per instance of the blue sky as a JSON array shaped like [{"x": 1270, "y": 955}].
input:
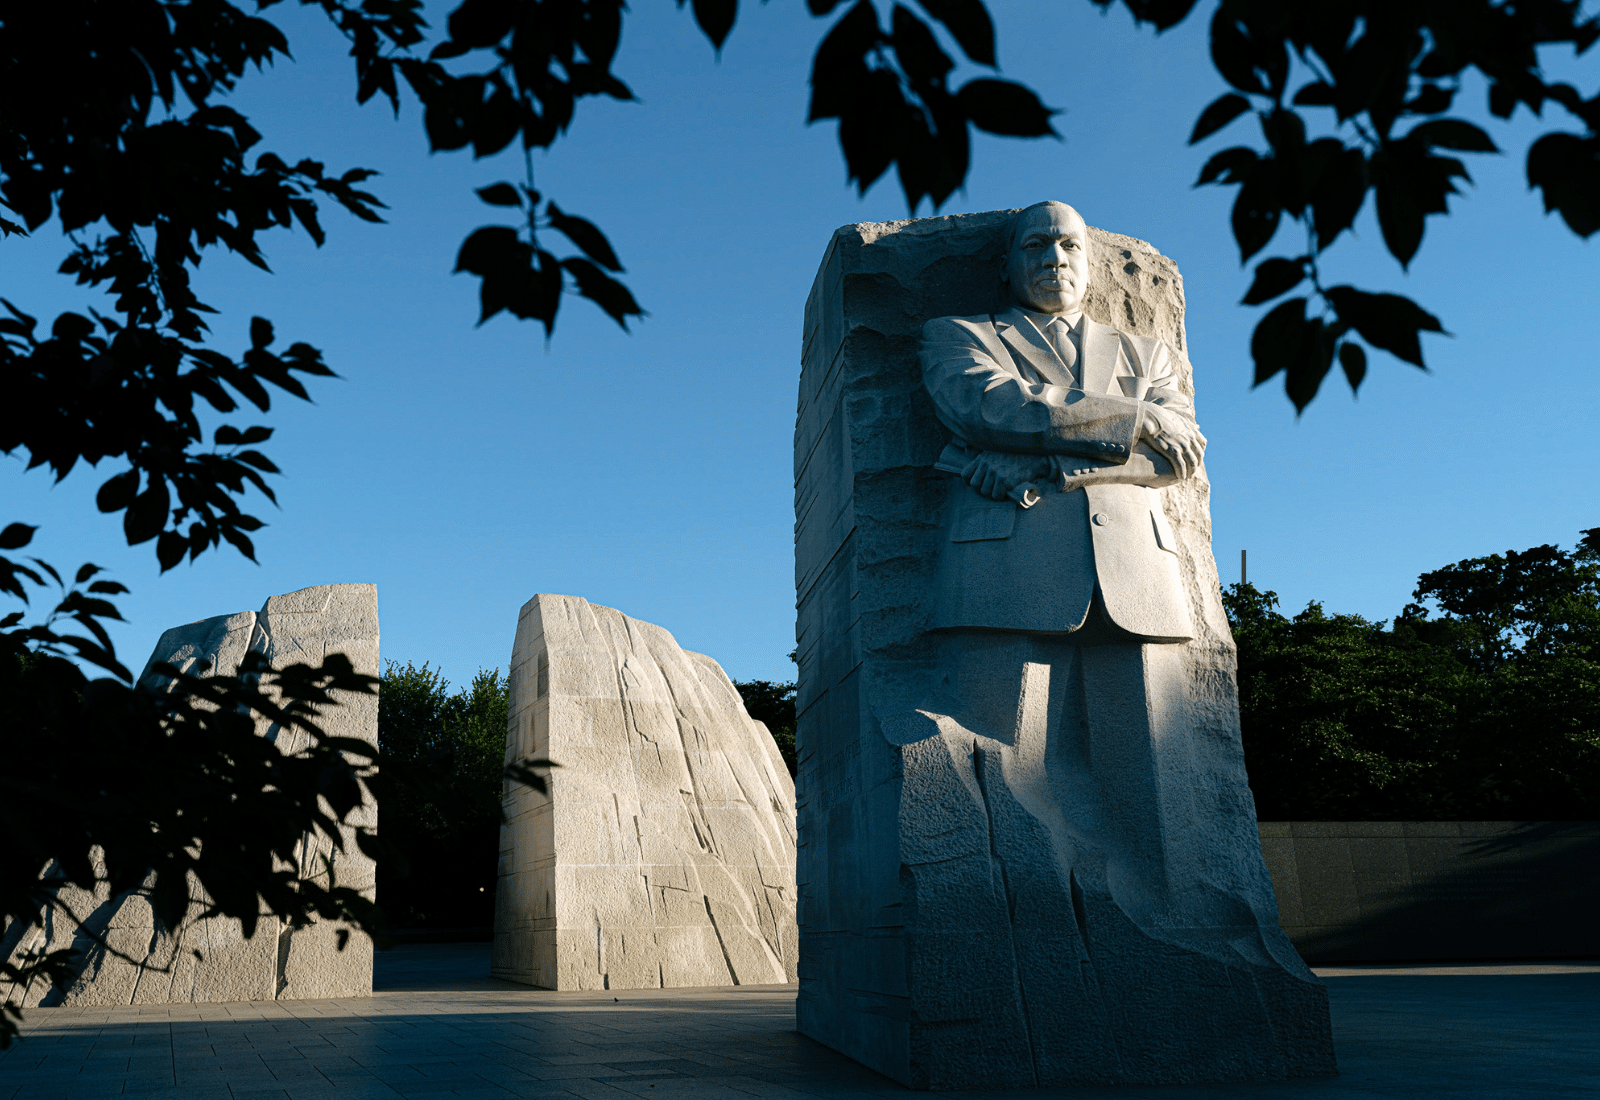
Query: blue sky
[{"x": 464, "y": 469}]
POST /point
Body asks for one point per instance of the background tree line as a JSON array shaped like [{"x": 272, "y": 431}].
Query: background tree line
[
  {"x": 1480, "y": 701},
  {"x": 441, "y": 821}
]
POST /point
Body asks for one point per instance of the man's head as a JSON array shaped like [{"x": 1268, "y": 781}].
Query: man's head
[{"x": 1048, "y": 264}]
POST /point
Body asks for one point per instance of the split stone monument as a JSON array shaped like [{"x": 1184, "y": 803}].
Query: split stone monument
[
  {"x": 277, "y": 962},
  {"x": 1028, "y": 854},
  {"x": 663, "y": 853}
]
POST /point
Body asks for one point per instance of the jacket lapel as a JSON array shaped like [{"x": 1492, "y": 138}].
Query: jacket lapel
[
  {"x": 1027, "y": 344},
  {"x": 1101, "y": 343}
]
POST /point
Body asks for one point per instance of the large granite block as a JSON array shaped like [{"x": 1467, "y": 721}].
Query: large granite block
[
  {"x": 277, "y": 962},
  {"x": 1057, "y": 879},
  {"x": 663, "y": 853}
]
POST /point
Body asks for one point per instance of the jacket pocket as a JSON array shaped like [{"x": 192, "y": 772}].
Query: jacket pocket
[
  {"x": 1164, "y": 536},
  {"x": 980, "y": 519}
]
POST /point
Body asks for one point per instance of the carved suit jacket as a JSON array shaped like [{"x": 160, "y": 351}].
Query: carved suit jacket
[{"x": 1098, "y": 534}]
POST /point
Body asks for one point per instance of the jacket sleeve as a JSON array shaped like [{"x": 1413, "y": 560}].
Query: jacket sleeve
[
  {"x": 1159, "y": 375},
  {"x": 980, "y": 395}
]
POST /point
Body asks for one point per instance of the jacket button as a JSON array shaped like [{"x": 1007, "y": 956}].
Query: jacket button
[{"x": 1101, "y": 519}]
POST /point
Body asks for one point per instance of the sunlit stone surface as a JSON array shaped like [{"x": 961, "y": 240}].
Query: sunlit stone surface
[
  {"x": 276, "y": 963},
  {"x": 1028, "y": 853},
  {"x": 663, "y": 854}
]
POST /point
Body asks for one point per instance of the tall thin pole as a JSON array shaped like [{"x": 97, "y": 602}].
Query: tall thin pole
[{"x": 1244, "y": 568}]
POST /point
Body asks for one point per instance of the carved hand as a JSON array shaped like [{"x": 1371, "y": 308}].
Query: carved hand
[
  {"x": 996, "y": 473},
  {"x": 1175, "y": 437}
]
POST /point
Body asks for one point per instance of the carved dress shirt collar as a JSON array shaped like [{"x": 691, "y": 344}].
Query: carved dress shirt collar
[
  {"x": 1068, "y": 345},
  {"x": 1042, "y": 321}
]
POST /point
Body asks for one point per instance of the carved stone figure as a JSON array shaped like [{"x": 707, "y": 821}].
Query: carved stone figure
[
  {"x": 663, "y": 854},
  {"x": 278, "y": 962},
  {"x": 1028, "y": 849},
  {"x": 1063, "y": 428}
]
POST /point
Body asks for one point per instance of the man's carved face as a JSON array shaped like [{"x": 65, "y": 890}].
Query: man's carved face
[{"x": 1048, "y": 267}]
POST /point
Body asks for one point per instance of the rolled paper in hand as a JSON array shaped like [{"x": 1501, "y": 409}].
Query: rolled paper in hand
[{"x": 1026, "y": 494}]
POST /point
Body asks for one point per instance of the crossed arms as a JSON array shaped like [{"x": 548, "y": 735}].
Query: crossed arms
[{"x": 1017, "y": 430}]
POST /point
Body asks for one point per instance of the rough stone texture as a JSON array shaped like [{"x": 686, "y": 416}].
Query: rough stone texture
[
  {"x": 1373, "y": 890},
  {"x": 663, "y": 854},
  {"x": 303, "y": 626},
  {"x": 1143, "y": 948}
]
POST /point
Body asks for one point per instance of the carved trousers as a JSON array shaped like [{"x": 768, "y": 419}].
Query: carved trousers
[{"x": 1076, "y": 847}]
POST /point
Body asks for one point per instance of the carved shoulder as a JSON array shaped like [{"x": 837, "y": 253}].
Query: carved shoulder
[{"x": 945, "y": 329}]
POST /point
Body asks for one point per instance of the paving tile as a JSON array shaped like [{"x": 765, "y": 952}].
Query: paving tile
[{"x": 1411, "y": 1036}]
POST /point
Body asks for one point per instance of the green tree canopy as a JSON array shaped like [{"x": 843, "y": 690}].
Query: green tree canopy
[
  {"x": 1480, "y": 703},
  {"x": 441, "y": 818},
  {"x": 773, "y": 703}
]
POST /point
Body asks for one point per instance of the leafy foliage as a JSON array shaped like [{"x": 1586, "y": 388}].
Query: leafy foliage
[
  {"x": 1389, "y": 74},
  {"x": 1489, "y": 709},
  {"x": 890, "y": 91},
  {"x": 441, "y": 804},
  {"x": 149, "y": 789},
  {"x": 773, "y": 704}
]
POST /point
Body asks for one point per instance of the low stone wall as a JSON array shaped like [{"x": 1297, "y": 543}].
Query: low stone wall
[{"x": 1385, "y": 890}]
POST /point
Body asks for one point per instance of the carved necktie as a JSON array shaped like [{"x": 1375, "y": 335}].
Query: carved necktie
[{"x": 1060, "y": 336}]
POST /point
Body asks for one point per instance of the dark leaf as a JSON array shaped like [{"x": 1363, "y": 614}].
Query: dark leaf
[
  {"x": 603, "y": 290},
  {"x": 873, "y": 127},
  {"x": 839, "y": 68},
  {"x": 16, "y": 536},
  {"x": 71, "y": 328},
  {"x": 1285, "y": 131},
  {"x": 1002, "y": 107},
  {"x": 1354, "y": 363},
  {"x": 482, "y": 23},
  {"x": 1229, "y": 166},
  {"x": 446, "y": 50},
  {"x": 585, "y": 235},
  {"x": 1315, "y": 94},
  {"x": 969, "y": 24},
  {"x": 1257, "y": 210},
  {"x": 1274, "y": 277},
  {"x": 1400, "y": 216},
  {"x": 1386, "y": 321},
  {"x": 1221, "y": 112},
  {"x": 258, "y": 460},
  {"x": 147, "y": 515},
  {"x": 170, "y": 548},
  {"x": 1233, "y": 54},
  {"x": 489, "y": 249},
  {"x": 500, "y": 194},
  {"x": 1275, "y": 345},
  {"x": 715, "y": 19},
  {"x": 117, "y": 493},
  {"x": 260, "y": 333},
  {"x": 1452, "y": 133},
  {"x": 918, "y": 52},
  {"x": 240, "y": 542},
  {"x": 1337, "y": 193},
  {"x": 1311, "y": 366},
  {"x": 1566, "y": 168},
  {"x": 1431, "y": 100}
]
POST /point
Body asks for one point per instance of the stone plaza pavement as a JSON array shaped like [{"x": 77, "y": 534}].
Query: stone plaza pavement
[{"x": 438, "y": 1028}]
